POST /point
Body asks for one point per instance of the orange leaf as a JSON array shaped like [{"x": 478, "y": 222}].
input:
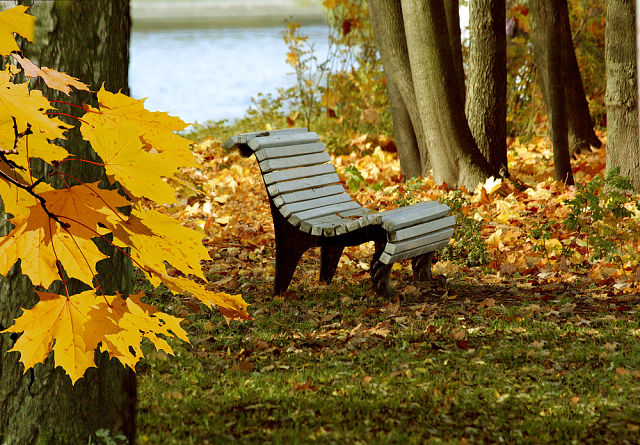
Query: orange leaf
[
  {"x": 39, "y": 242},
  {"x": 54, "y": 79}
]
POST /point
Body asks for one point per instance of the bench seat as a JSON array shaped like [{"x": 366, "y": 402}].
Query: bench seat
[{"x": 310, "y": 207}]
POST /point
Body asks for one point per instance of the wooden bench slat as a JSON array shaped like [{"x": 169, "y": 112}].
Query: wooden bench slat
[
  {"x": 343, "y": 222},
  {"x": 269, "y": 165},
  {"x": 379, "y": 217},
  {"x": 297, "y": 173},
  {"x": 302, "y": 184},
  {"x": 288, "y": 151},
  {"x": 420, "y": 229},
  {"x": 245, "y": 137},
  {"x": 300, "y": 206},
  {"x": 415, "y": 216},
  {"x": 413, "y": 243},
  {"x": 323, "y": 211},
  {"x": 385, "y": 258},
  {"x": 304, "y": 195},
  {"x": 279, "y": 140}
]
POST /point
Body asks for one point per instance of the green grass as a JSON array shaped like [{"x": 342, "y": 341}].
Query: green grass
[{"x": 338, "y": 365}]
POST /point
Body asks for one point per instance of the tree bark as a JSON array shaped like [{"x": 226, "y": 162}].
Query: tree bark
[
  {"x": 455, "y": 157},
  {"x": 388, "y": 26},
  {"x": 486, "y": 106},
  {"x": 405, "y": 135},
  {"x": 88, "y": 40},
  {"x": 580, "y": 126},
  {"x": 621, "y": 97},
  {"x": 557, "y": 100},
  {"x": 452, "y": 12}
]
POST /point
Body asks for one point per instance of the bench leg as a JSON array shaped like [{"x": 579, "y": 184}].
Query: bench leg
[
  {"x": 380, "y": 272},
  {"x": 329, "y": 259},
  {"x": 421, "y": 266},
  {"x": 290, "y": 245}
]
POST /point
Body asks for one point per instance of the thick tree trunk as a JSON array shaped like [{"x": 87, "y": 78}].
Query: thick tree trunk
[
  {"x": 454, "y": 155},
  {"x": 452, "y": 11},
  {"x": 486, "y": 106},
  {"x": 621, "y": 96},
  {"x": 580, "y": 126},
  {"x": 88, "y": 40},
  {"x": 388, "y": 26}
]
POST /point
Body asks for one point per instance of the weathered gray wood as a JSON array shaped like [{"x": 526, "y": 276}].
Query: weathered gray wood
[
  {"x": 301, "y": 206},
  {"x": 420, "y": 229},
  {"x": 297, "y": 173},
  {"x": 415, "y": 216},
  {"x": 323, "y": 211},
  {"x": 288, "y": 151},
  {"x": 351, "y": 219},
  {"x": 245, "y": 137},
  {"x": 279, "y": 140},
  {"x": 419, "y": 241},
  {"x": 379, "y": 217},
  {"x": 385, "y": 258},
  {"x": 302, "y": 184},
  {"x": 270, "y": 165},
  {"x": 303, "y": 195}
]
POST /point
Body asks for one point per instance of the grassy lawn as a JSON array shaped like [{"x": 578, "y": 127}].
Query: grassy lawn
[{"x": 335, "y": 364}]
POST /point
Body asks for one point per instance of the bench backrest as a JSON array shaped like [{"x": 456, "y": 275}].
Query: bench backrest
[{"x": 301, "y": 180}]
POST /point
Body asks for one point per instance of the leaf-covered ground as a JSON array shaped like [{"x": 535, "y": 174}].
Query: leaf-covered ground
[{"x": 541, "y": 344}]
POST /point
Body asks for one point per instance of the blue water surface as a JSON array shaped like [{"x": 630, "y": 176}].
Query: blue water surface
[{"x": 211, "y": 74}]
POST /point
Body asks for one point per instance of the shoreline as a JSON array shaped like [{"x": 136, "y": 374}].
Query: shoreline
[{"x": 185, "y": 14}]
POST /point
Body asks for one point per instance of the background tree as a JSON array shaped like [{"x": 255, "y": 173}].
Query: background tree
[
  {"x": 417, "y": 57},
  {"x": 486, "y": 106},
  {"x": 90, "y": 41},
  {"x": 621, "y": 98},
  {"x": 579, "y": 124}
]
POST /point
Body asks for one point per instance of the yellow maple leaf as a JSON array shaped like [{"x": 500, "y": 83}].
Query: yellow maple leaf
[
  {"x": 156, "y": 238},
  {"x": 85, "y": 207},
  {"x": 138, "y": 171},
  {"x": 15, "y": 20},
  {"x": 155, "y": 129},
  {"x": 61, "y": 319},
  {"x": 40, "y": 242},
  {"x": 54, "y": 79},
  {"x": 35, "y": 145},
  {"x": 231, "y": 306},
  {"x": 137, "y": 320},
  {"x": 26, "y": 106}
]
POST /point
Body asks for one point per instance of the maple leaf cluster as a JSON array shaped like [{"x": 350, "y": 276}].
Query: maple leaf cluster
[{"x": 54, "y": 230}]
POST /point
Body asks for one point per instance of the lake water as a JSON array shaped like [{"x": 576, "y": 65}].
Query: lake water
[{"x": 211, "y": 74}]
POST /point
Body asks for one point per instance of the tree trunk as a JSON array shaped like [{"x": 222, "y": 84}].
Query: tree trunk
[
  {"x": 486, "y": 106},
  {"x": 454, "y": 155},
  {"x": 88, "y": 40},
  {"x": 405, "y": 136},
  {"x": 388, "y": 26},
  {"x": 580, "y": 126},
  {"x": 621, "y": 96},
  {"x": 557, "y": 103},
  {"x": 452, "y": 11}
]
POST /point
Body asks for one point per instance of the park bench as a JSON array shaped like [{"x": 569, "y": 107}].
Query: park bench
[{"x": 311, "y": 208}]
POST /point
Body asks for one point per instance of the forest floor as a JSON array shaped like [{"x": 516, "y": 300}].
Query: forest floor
[{"x": 539, "y": 345}]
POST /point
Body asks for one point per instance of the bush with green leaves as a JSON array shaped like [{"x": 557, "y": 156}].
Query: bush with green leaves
[
  {"x": 468, "y": 247},
  {"x": 601, "y": 216}
]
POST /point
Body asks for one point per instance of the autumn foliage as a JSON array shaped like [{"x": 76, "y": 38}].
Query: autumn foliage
[{"x": 53, "y": 230}]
